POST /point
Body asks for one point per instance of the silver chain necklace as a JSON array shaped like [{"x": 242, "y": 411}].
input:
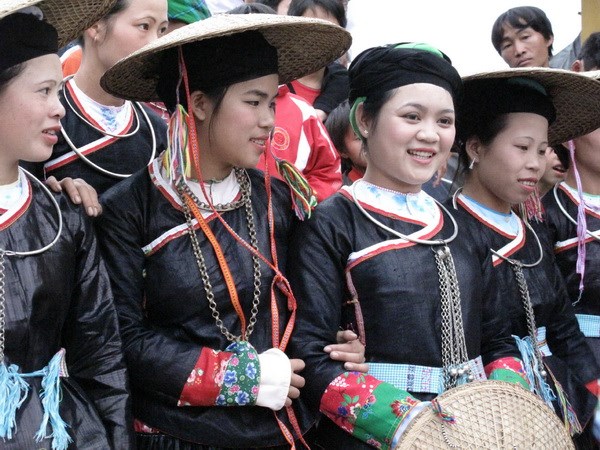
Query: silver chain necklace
[
  {"x": 88, "y": 161},
  {"x": 517, "y": 268},
  {"x": 454, "y": 350},
  {"x": 595, "y": 235},
  {"x": 244, "y": 181}
]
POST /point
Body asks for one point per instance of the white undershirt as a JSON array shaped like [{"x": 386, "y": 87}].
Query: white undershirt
[
  {"x": 507, "y": 222},
  {"x": 220, "y": 192},
  {"x": 419, "y": 206},
  {"x": 10, "y": 194},
  {"x": 591, "y": 201},
  {"x": 111, "y": 118}
]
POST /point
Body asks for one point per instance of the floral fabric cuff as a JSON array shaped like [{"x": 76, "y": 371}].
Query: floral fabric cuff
[
  {"x": 241, "y": 378},
  {"x": 368, "y": 409},
  {"x": 507, "y": 369},
  {"x": 223, "y": 378}
]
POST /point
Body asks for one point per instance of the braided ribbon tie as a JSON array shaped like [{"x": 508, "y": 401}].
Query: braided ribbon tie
[{"x": 440, "y": 413}]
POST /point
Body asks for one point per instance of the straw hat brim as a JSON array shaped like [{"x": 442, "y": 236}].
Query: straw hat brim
[
  {"x": 69, "y": 17},
  {"x": 576, "y": 98},
  {"x": 488, "y": 414},
  {"x": 595, "y": 74},
  {"x": 303, "y": 46}
]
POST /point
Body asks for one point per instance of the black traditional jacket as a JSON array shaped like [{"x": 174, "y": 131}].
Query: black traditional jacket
[
  {"x": 163, "y": 310},
  {"x": 563, "y": 233},
  {"x": 572, "y": 361},
  {"x": 61, "y": 298},
  {"x": 397, "y": 286},
  {"x": 122, "y": 155}
]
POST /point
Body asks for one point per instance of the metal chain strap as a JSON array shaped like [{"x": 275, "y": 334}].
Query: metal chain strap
[
  {"x": 2, "y": 306},
  {"x": 256, "y": 266},
  {"x": 531, "y": 326},
  {"x": 454, "y": 349},
  {"x": 244, "y": 182}
]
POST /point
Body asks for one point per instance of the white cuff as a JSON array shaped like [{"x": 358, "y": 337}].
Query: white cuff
[{"x": 275, "y": 379}]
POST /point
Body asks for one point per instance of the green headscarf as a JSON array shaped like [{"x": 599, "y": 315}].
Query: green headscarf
[{"x": 188, "y": 11}]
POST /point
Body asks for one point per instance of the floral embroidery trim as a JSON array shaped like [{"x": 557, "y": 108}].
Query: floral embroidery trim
[
  {"x": 241, "y": 378},
  {"x": 202, "y": 385},
  {"x": 367, "y": 408}
]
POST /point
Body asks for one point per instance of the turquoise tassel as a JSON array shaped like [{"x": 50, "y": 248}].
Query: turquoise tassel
[
  {"x": 50, "y": 396},
  {"x": 13, "y": 392},
  {"x": 532, "y": 371}
]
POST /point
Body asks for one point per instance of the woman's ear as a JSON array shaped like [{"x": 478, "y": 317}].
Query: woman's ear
[
  {"x": 96, "y": 33},
  {"x": 201, "y": 105},
  {"x": 473, "y": 148},
  {"x": 577, "y": 66},
  {"x": 362, "y": 124}
]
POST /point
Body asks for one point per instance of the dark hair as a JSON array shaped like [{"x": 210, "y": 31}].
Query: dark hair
[
  {"x": 372, "y": 107},
  {"x": 252, "y": 8},
  {"x": 522, "y": 17},
  {"x": 590, "y": 52},
  {"x": 119, "y": 6},
  {"x": 485, "y": 130},
  {"x": 337, "y": 124},
  {"x": 563, "y": 155},
  {"x": 216, "y": 96},
  {"x": 7, "y": 75},
  {"x": 270, "y": 3},
  {"x": 333, "y": 7}
]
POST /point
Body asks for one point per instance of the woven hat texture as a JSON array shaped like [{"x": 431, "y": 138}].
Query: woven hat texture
[
  {"x": 303, "y": 45},
  {"x": 492, "y": 415},
  {"x": 69, "y": 17},
  {"x": 576, "y": 98}
]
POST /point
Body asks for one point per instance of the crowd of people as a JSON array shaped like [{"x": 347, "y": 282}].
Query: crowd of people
[{"x": 217, "y": 232}]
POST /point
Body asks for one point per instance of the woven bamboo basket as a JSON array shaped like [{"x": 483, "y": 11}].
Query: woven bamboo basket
[{"x": 488, "y": 415}]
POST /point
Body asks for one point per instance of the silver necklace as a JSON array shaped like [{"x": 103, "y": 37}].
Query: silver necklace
[
  {"x": 84, "y": 158},
  {"x": 240, "y": 174},
  {"x": 568, "y": 216},
  {"x": 86, "y": 121},
  {"x": 397, "y": 233},
  {"x": 517, "y": 268},
  {"x": 244, "y": 180},
  {"x": 4, "y": 253},
  {"x": 454, "y": 349}
]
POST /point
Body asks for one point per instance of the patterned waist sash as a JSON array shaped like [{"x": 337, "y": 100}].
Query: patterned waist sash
[
  {"x": 589, "y": 325},
  {"x": 422, "y": 379},
  {"x": 541, "y": 341}
]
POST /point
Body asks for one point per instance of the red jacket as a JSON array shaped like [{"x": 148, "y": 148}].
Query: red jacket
[{"x": 300, "y": 137}]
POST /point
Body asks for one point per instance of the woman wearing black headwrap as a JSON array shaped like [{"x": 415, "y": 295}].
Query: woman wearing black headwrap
[
  {"x": 196, "y": 245},
  {"x": 508, "y": 120},
  {"x": 380, "y": 254},
  {"x": 62, "y": 375}
]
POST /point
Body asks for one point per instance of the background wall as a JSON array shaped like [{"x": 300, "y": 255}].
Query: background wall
[{"x": 460, "y": 28}]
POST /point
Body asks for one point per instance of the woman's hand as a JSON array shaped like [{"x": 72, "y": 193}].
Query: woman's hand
[
  {"x": 80, "y": 193},
  {"x": 350, "y": 350},
  {"x": 297, "y": 381}
]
